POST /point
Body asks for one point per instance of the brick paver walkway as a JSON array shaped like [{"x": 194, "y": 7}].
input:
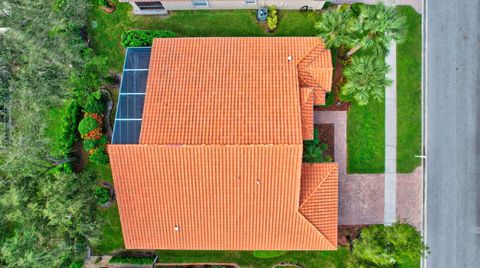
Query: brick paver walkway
[{"x": 361, "y": 196}]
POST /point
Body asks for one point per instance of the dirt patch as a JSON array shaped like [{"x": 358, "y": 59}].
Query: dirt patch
[
  {"x": 348, "y": 233},
  {"x": 326, "y": 134},
  {"x": 81, "y": 157}
]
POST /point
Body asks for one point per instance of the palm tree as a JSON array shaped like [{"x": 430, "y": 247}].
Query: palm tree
[
  {"x": 366, "y": 79},
  {"x": 375, "y": 27},
  {"x": 335, "y": 28}
]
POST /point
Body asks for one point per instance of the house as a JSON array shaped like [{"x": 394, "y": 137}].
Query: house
[
  {"x": 207, "y": 146},
  {"x": 152, "y": 7}
]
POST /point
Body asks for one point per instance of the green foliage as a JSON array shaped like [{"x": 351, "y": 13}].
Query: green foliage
[
  {"x": 362, "y": 27},
  {"x": 131, "y": 260},
  {"x": 94, "y": 103},
  {"x": 89, "y": 78},
  {"x": 69, "y": 128},
  {"x": 76, "y": 264},
  {"x": 409, "y": 93},
  {"x": 86, "y": 125},
  {"x": 102, "y": 195},
  {"x": 91, "y": 144},
  {"x": 272, "y": 18},
  {"x": 334, "y": 27},
  {"x": 143, "y": 38},
  {"x": 104, "y": 3},
  {"x": 265, "y": 254},
  {"x": 387, "y": 246},
  {"x": 314, "y": 151},
  {"x": 365, "y": 79},
  {"x": 99, "y": 156}
]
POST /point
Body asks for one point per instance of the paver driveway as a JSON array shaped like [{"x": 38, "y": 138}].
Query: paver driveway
[{"x": 361, "y": 196}]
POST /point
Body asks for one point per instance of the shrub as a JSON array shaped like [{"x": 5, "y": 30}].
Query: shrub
[
  {"x": 102, "y": 195},
  {"x": 99, "y": 156},
  {"x": 94, "y": 103},
  {"x": 104, "y": 3},
  {"x": 131, "y": 260},
  {"x": 143, "y": 38},
  {"x": 77, "y": 264},
  {"x": 388, "y": 246},
  {"x": 272, "y": 18},
  {"x": 90, "y": 78},
  {"x": 314, "y": 151},
  {"x": 91, "y": 144},
  {"x": 87, "y": 125},
  {"x": 69, "y": 128}
]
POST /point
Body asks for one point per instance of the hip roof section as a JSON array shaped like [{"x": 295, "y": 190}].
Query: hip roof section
[
  {"x": 226, "y": 90},
  {"x": 218, "y": 197}
]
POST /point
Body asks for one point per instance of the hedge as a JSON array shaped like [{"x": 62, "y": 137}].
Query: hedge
[
  {"x": 143, "y": 38},
  {"x": 131, "y": 260}
]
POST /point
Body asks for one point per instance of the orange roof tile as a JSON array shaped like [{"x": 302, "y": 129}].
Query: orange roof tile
[
  {"x": 219, "y": 160},
  {"x": 319, "y": 197},
  {"x": 306, "y": 103},
  {"x": 240, "y": 197},
  {"x": 226, "y": 90}
]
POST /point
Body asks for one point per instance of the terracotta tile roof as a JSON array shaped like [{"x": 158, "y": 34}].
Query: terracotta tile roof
[
  {"x": 228, "y": 90},
  {"x": 306, "y": 102},
  {"x": 219, "y": 160},
  {"x": 315, "y": 70},
  {"x": 319, "y": 197},
  {"x": 239, "y": 197}
]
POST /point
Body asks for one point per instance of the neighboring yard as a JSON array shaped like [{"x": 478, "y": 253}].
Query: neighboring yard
[{"x": 409, "y": 75}]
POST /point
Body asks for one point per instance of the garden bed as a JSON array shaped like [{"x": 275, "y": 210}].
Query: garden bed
[{"x": 326, "y": 134}]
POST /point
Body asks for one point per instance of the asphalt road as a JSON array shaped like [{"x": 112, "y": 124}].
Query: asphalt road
[{"x": 452, "y": 133}]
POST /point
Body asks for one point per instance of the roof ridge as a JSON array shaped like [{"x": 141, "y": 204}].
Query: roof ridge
[{"x": 316, "y": 188}]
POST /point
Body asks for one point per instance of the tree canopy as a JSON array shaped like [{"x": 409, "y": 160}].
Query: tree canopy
[
  {"x": 47, "y": 211},
  {"x": 365, "y": 79},
  {"x": 361, "y": 27},
  {"x": 387, "y": 246}
]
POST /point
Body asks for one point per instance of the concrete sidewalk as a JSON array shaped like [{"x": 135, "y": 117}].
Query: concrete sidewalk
[{"x": 391, "y": 139}]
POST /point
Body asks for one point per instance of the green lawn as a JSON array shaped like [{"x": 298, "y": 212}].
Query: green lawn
[
  {"x": 109, "y": 221},
  {"x": 106, "y": 33},
  {"x": 366, "y": 138},
  {"x": 366, "y": 125},
  {"x": 311, "y": 259},
  {"x": 409, "y": 75}
]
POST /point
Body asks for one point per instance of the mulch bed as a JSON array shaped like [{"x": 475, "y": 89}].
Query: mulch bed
[
  {"x": 326, "y": 134},
  {"x": 81, "y": 157},
  {"x": 348, "y": 233},
  {"x": 341, "y": 106}
]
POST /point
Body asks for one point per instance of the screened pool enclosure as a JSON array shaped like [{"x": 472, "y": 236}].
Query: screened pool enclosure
[{"x": 128, "y": 118}]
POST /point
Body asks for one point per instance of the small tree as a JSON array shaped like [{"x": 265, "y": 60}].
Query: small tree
[
  {"x": 387, "y": 246},
  {"x": 361, "y": 27},
  {"x": 365, "y": 79},
  {"x": 375, "y": 27},
  {"x": 335, "y": 28}
]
